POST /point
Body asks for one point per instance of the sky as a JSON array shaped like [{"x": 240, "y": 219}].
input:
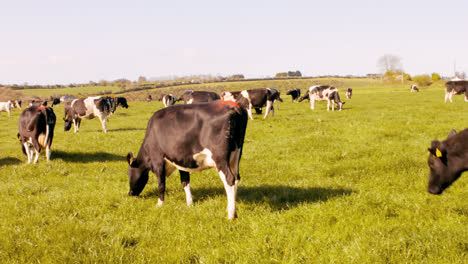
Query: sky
[{"x": 63, "y": 42}]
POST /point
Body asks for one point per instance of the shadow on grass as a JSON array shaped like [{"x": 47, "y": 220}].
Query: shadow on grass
[
  {"x": 126, "y": 129},
  {"x": 81, "y": 157},
  {"x": 277, "y": 197},
  {"x": 9, "y": 161}
]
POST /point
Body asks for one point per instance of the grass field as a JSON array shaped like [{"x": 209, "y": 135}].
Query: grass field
[{"x": 316, "y": 187}]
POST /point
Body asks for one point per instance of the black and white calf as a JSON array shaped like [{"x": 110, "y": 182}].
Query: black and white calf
[
  {"x": 295, "y": 94},
  {"x": 36, "y": 131},
  {"x": 255, "y": 98},
  {"x": 195, "y": 97},
  {"x": 86, "y": 108},
  {"x": 447, "y": 161},
  {"x": 414, "y": 88},
  {"x": 191, "y": 138},
  {"x": 168, "y": 100},
  {"x": 16, "y": 104},
  {"x": 321, "y": 93},
  {"x": 456, "y": 87},
  {"x": 122, "y": 102},
  {"x": 349, "y": 93}
]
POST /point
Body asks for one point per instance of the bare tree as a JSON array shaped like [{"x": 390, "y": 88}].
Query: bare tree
[{"x": 389, "y": 62}]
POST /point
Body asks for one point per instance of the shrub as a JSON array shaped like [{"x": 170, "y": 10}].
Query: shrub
[
  {"x": 423, "y": 80},
  {"x": 435, "y": 77}
]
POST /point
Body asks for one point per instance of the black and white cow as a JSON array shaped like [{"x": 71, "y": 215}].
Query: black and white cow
[
  {"x": 349, "y": 93},
  {"x": 36, "y": 131},
  {"x": 86, "y": 108},
  {"x": 295, "y": 94},
  {"x": 195, "y": 97},
  {"x": 168, "y": 100},
  {"x": 447, "y": 161},
  {"x": 191, "y": 138},
  {"x": 321, "y": 93},
  {"x": 456, "y": 87},
  {"x": 255, "y": 98},
  {"x": 16, "y": 104},
  {"x": 414, "y": 88},
  {"x": 6, "y": 107}
]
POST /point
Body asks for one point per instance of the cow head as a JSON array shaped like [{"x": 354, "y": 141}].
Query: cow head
[
  {"x": 445, "y": 166},
  {"x": 68, "y": 118},
  {"x": 137, "y": 175}
]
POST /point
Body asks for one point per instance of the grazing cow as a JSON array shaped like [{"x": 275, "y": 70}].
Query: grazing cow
[
  {"x": 168, "y": 100},
  {"x": 349, "y": 93},
  {"x": 16, "y": 104},
  {"x": 191, "y": 138},
  {"x": 55, "y": 101},
  {"x": 255, "y": 98},
  {"x": 321, "y": 93},
  {"x": 195, "y": 97},
  {"x": 122, "y": 102},
  {"x": 295, "y": 94},
  {"x": 36, "y": 131},
  {"x": 447, "y": 161},
  {"x": 414, "y": 88},
  {"x": 5, "y": 107},
  {"x": 86, "y": 108},
  {"x": 456, "y": 87},
  {"x": 149, "y": 98}
]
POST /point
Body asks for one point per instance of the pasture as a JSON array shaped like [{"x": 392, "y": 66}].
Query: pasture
[{"x": 316, "y": 187}]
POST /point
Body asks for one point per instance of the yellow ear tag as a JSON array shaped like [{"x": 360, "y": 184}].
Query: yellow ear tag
[
  {"x": 131, "y": 161},
  {"x": 438, "y": 153}
]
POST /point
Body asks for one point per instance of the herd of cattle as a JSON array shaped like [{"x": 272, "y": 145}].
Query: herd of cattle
[{"x": 214, "y": 129}]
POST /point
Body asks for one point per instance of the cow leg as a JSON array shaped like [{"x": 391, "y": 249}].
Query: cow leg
[
  {"x": 28, "y": 152},
  {"x": 268, "y": 106},
  {"x": 185, "y": 180},
  {"x": 249, "y": 111},
  {"x": 75, "y": 125},
  {"x": 103, "y": 123},
  {"x": 230, "y": 180},
  {"x": 312, "y": 103},
  {"x": 160, "y": 171},
  {"x": 328, "y": 105},
  {"x": 48, "y": 152}
]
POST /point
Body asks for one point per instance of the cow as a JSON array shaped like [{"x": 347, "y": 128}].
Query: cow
[
  {"x": 349, "y": 93},
  {"x": 456, "y": 87},
  {"x": 168, "y": 100},
  {"x": 36, "y": 131},
  {"x": 149, "y": 98},
  {"x": 16, "y": 104},
  {"x": 191, "y": 138},
  {"x": 295, "y": 94},
  {"x": 321, "y": 93},
  {"x": 255, "y": 98},
  {"x": 447, "y": 161},
  {"x": 5, "y": 107},
  {"x": 86, "y": 108},
  {"x": 195, "y": 97},
  {"x": 414, "y": 88}
]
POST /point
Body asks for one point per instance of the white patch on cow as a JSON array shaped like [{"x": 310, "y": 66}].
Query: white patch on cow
[
  {"x": 188, "y": 195},
  {"x": 231, "y": 196},
  {"x": 190, "y": 101},
  {"x": 267, "y": 111},
  {"x": 37, "y": 156},
  {"x": 204, "y": 159},
  {"x": 227, "y": 96},
  {"x": 28, "y": 153}
]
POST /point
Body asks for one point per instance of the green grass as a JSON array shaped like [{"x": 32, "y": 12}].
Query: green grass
[{"x": 317, "y": 187}]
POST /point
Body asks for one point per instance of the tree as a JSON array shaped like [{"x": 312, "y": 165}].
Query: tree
[
  {"x": 390, "y": 63},
  {"x": 435, "y": 77},
  {"x": 141, "y": 79}
]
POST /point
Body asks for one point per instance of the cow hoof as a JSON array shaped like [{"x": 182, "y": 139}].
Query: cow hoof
[
  {"x": 232, "y": 217},
  {"x": 190, "y": 203},
  {"x": 160, "y": 203}
]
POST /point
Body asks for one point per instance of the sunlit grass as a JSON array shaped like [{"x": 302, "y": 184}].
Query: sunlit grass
[{"x": 316, "y": 186}]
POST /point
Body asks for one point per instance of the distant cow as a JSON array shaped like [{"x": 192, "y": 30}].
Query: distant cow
[
  {"x": 168, "y": 100},
  {"x": 295, "y": 94},
  {"x": 86, "y": 108},
  {"x": 5, "y": 107},
  {"x": 414, "y": 88},
  {"x": 456, "y": 87},
  {"x": 16, "y": 104},
  {"x": 149, "y": 98},
  {"x": 122, "y": 102},
  {"x": 195, "y": 97},
  {"x": 321, "y": 93},
  {"x": 36, "y": 131},
  {"x": 255, "y": 98},
  {"x": 447, "y": 161},
  {"x": 349, "y": 93},
  {"x": 191, "y": 138}
]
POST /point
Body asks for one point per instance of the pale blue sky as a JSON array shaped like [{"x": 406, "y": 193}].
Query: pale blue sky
[{"x": 59, "y": 41}]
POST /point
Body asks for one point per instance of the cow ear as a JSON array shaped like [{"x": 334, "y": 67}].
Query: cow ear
[
  {"x": 437, "y": 149},
  {"x": 452, "y": 133},
  {"x": 130, "y": 158}
]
